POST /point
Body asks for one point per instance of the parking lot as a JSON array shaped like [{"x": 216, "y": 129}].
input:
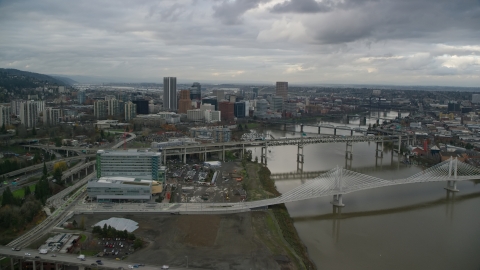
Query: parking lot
[{"x": 114, "y": 247}]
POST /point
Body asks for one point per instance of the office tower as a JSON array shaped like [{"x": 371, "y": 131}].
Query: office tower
[
  {"x": 170, "y": 93},
  {"x": 196, "y": 91},
  {"x": 28, "y": 114},
  {"x": 453, "y": 106},
  {"x": 51, "y": 116},
  {"x": 255, "y": 92},
  {"x": 100, "y": 109},
  {"x": 282, "y": 90},
  {"x": 226, "y": 110},
  {"x": 185, "y": 103},
  {"x": 128, "y": 163},
  {"x": 5, "y": 114},
  {"x": 142, "y": 106},
  {"x": 113, "y": 107},
  {"x": 277, "y": 104},
  {"x": 109, "y": 97},
  {"x": 81, "y": 97},
  {"x": 130, "y": 110},
  {"x": 261, "y": 108},
  {"x": 476, "y": 98},
  {"x": 220, "y": 94},
  {"x": 239, "y": 109},
  {"x": 211, "y": 100}
]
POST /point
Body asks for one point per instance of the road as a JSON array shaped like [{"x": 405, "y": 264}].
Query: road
[{"x": 71, "y": 260}]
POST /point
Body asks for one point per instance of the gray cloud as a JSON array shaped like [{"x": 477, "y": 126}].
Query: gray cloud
[
  {"x": 364, "y": 41},
  {"x": 301, "y": 6}
]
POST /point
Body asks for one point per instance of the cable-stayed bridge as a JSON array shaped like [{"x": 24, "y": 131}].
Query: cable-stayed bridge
[{"x": 336, "y": 182}]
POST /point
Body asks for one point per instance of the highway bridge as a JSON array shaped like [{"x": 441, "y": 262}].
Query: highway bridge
[{"x": 67, "y": 260}]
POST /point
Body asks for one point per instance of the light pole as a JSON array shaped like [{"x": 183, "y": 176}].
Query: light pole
[{"x": 187, "y": 260}]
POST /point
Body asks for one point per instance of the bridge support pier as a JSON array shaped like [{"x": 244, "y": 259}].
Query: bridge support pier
[
  {"x": 349, "y": 150},
  {"x": 379, "y": 152},
  {"x": 334, "y": 132},
  {"x": 164, "y": 154},
  {"x": 318, "y": 130},
  {"x": 223, "y": 153},
  {"x": 185, "y": 155},
  {"x": 300, "y": 158},
  {"x": 337, "y": 200},
  {"x": 12, "y": 263},
  {"x": 351, "y": 132},
  {"x": 263, "y": 156},
  {"x": 301, "y": 128},
  {"x": 452, "y": 186}
]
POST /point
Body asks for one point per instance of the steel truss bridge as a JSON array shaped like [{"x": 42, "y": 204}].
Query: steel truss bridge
[
  {"x": 336, "y": 182},
  {"x": 203, "y": 149}
]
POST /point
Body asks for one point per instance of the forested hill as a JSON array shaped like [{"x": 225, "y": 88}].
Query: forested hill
[{"x": 12, "y": 79}]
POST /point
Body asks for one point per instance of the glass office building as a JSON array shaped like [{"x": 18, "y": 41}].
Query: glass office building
[{"x": 129, "y": 163}]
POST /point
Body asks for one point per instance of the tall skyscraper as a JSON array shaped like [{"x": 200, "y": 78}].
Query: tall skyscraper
[
  {"x": 227, "y": 110},
  {"x": 5, "y": 114},
  {"x": 196, "y": 91},
  {"x": 113, "y": 107},
  {"x": 170, "y": 93},
  {"x": 28, "y": 114},
  {"x": 142, "y": 106},
  {"x": 185, "y": 103},
  {"x": 220, "y": 94},
  {"x": 100, "y": 109},
  {"x": 130, "y": 110},
  {"x": 282, "y": 90},
  {"x": 81, "y": 97},
  {"x": 51, "y": 116}
]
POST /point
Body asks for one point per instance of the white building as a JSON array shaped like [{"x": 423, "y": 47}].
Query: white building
[
  {"x": 195, "y": 115},
  {"x": 119, "y": 188},
  {"x": 28, "y": 114},
  {"x": 113, "y": 107},
  {"x": 100, "y": 109},
  {"x": 205, "y": 107},
  {"x": 212, "y": 116},
  {"x": 130, "y": 110},
  {"x": 52, "y": 116}
]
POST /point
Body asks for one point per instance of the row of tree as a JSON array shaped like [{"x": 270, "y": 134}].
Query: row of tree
[{"x": 110, "y": 232}]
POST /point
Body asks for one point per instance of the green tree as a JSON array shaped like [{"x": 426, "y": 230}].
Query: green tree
[
  {"x": 138, "y": 243},
  {"x": 74, "y": 223},
  {"x": 57, "y": 175},
  {"x": 7, "y": 197},
  {"x": 27, "y": 191},
  {"x": 82, "y": 223},
  {"x": 34, "y": 131},
  {"x": 45, "y": 172},
  {"x": 3, "y": 130}
]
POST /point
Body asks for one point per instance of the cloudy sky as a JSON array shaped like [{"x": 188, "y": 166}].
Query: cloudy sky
[{"x": 403, "y": 42}]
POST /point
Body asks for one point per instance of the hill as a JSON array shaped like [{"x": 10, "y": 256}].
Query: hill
[
  {"x": 66, "y": 80},
  {"x": 12, "y": 79}
]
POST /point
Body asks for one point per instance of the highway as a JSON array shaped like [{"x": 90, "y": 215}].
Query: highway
[{"x": 72, "y": 260}]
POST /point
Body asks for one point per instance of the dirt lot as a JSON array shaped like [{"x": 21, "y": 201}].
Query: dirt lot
[{"x": 233, "y": 241}]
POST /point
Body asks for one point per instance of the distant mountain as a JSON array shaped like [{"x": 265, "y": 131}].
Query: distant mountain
[
  {"x": 64, "y": 79},
  {"x": 11, "y": 79}
]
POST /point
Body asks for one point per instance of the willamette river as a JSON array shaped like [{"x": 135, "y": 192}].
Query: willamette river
[{"x": 412, "y": 226}]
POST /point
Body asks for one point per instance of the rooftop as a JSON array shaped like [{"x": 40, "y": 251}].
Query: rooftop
[{"x": 129, "y": 152}]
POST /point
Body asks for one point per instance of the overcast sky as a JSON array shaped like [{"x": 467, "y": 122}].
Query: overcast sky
[{"x": 403, "y": 42}]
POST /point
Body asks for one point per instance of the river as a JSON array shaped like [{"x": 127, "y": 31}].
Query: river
[{"x": 413, "y": 226}]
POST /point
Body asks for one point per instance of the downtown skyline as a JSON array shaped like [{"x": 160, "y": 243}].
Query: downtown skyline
[{"x": 300, "y": 41}]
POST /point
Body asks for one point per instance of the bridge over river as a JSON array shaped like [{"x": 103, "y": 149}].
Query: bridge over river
[{"x": 336, "y": 182}]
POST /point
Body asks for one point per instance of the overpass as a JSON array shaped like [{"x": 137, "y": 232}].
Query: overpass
[
  {"x": 66, "y": 260},
  {"x": 336, "y": 182},
  {"x": 40, "y": 166}
]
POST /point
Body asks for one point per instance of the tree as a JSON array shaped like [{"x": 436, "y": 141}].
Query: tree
[
  {"x": 34, "y": 131},
  {"x": 7, "y": 197},
  {"x": 57, "y": 175},
  {"x": 138, "y": 243},
  {"x": 256, "y": 159},
  {"x": 240, "y": 127},
  {"x": 45, "y": 172},
  {"x": 74, "y": 223},
  {"x": 27, "y": 191},
  {"x": 82, "y": 223},
  {"x": 3, "y": 130}
]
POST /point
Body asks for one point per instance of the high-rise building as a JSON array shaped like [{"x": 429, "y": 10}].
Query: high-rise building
[
  {"x": 277, "y": 104},
  {"x": 476, "y": 98},
  {"x": 142, "y": 106},
  {"x": 170, "y": 93},
  {"x": 227, "y": 110},
  {"x": 28, "y": 114},
  {"x": 81, "y": 97},
  {"x": 5, "y": 114},
  {"x": 130, "y": 110},
  {"x": 239, "y": 109},
  {"x": 185, "y": 103},
  {"x": 113, "y": 107},
  {"x": 51, "y": 116},
  {"x": 100, "y": 109},
  {"x": 282, "y": 90},
  {"x": 220, "y": 94},
  {"x": 196, "y": 91},
  {"x": 255, "y": 92},
  {"x": 261, "y": 108},
  {"x": 129, "y": 163},
  {"x": 15, "y": 106},
  {"x": 211, "y": 100}
]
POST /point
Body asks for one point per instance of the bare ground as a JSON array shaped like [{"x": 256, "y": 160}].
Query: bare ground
[{"x": 233, "y": 241}]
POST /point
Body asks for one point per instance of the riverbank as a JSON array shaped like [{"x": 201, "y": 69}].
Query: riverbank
[{"x": 259, "y": 186}]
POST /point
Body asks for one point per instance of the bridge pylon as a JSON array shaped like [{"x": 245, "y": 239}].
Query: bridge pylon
[
  {"x": 337, "y": 198},
  {"x": 452, "y": 168},
  {"x": 379, "y": 152},
  {"x": 263, "y": 156}
]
